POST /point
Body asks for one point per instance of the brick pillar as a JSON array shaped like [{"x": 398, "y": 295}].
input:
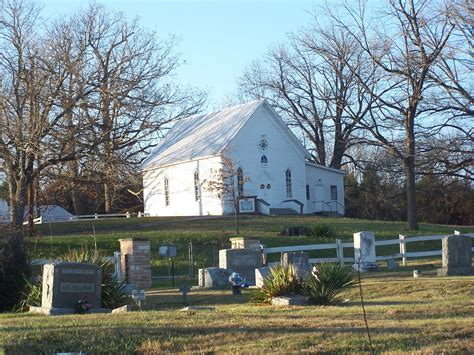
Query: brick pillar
[{"x": 135, "y": 262}]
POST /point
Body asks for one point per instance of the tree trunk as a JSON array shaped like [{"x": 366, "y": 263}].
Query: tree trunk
[
  {"x": 338, "y": 152},
  {"x": 412, "y": 223},
  {"x": 107, "y": 198},
  {"x": 77, "y": 204},
  {"x": 410, "y": 175},
  {"x": 31, "y": 206},
  {"x": 17, "y": 200}
]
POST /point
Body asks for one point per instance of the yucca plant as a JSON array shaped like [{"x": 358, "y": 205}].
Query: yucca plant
[
  {"x": 91, "y": 256},
  {"x": 282, "y": 281},
  {"x": 327, "y": 282}
]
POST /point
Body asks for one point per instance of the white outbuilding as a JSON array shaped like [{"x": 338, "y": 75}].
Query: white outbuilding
[{"x": 271, "y": 171}]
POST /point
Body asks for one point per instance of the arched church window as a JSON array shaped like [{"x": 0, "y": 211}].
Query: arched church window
[
  {"x": 288, "y": 183},
  {"x": 167, "y": 191},
  {"x": 196, "y": 185}
]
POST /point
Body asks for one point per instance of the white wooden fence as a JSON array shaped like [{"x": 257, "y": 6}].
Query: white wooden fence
[{"x": 339, "y": 246}]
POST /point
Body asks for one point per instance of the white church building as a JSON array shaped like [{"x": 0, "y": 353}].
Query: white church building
[{"x": 272, "y": 171}]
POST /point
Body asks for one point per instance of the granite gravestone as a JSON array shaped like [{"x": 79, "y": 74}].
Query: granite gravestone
[
  {"x": 261, "y": 274},
  {"x": 214, "y": 277},
  {"x": 242, "y": 261},
  {"x": 456, "y": 256},
  {"x": 66, "y": 284},
  {"x": 364, "y": 252},
  {"x": 299, "y": 261}
]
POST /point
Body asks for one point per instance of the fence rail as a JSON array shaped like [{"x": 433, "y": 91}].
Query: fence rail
[
  {"x": 100, "y": 216},
  {"x": 339, "y": 246}
]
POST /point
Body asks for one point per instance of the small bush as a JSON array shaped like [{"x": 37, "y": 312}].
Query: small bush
[
  {"x": 112, "y": 292},
  {"x": 14, "y": 267},
  {"x": 327, "y": 283},
  {"x": 282, "y": 281},
  {"x": 323, "y": 231}
]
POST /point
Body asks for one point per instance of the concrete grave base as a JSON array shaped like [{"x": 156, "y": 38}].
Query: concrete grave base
[
  {"x": 458, "y": 271},
  {"x": 61, "y": 311},
  {"x": 123, "y": 309},
  {"x": 197, "y": 308},
  {"x": 365, "y": 267},
  {"x": 296, "y": 300}
]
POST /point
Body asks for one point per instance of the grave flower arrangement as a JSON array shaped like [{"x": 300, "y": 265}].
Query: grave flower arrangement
[{"x": 83, "y": 305}]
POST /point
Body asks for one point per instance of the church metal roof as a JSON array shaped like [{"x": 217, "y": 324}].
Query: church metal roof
[{"x": 201, "y": 135}]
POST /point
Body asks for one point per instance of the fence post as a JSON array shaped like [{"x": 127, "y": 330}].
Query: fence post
[
  {"x": 96, "y": 216},
  {"x": 403, "y": 249},
  {"x": 340, "y": 251},
  {"x": 127, "y": 214}
]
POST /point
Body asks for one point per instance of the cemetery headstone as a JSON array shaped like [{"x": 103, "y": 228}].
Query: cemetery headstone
[
  {"x": 213, "y": 277},
  {"x": 67, "y": 285},
  {"x": 392, "y": 264},
  {"x": 456, "y": 256},
  {"x": 185, "y": 290},
  {"x": 299, "y": 261},
  {"x": 139, "y": 298},
  {"x": 364, "y": 252},
  {"x": 242, "y": 261},
  {"x": 260, "y": 274}
]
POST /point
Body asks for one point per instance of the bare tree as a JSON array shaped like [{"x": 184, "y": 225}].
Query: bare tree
[
  {"x": 404, "y": 48},
  {"x": 312, "y": 82},
  {"x": 34, "y": 70},
  {"x": 135, "y": 97},
  {"x": 228, "y": 184},
  {"x": 449, "y": 150}
]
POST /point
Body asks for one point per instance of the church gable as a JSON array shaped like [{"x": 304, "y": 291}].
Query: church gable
[
  {"x": 265, "y": 119},
  {"x": 200, "y": 136}
]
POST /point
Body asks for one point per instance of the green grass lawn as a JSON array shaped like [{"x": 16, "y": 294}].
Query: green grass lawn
[
  {"x": 210, "y": 235},
  {"x": 427, "y": 314}
]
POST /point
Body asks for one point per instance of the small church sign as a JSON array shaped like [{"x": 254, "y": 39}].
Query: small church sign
[{"x": 247, "y": 205}]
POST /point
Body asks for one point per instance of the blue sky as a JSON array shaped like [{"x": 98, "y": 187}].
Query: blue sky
[{"x": 217, "y": 39}]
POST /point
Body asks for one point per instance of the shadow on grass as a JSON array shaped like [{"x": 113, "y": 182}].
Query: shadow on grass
[{"x": 130, "y": 337}]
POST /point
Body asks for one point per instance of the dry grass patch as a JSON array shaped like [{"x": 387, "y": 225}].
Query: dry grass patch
[{"x": 405, "y": 315}]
